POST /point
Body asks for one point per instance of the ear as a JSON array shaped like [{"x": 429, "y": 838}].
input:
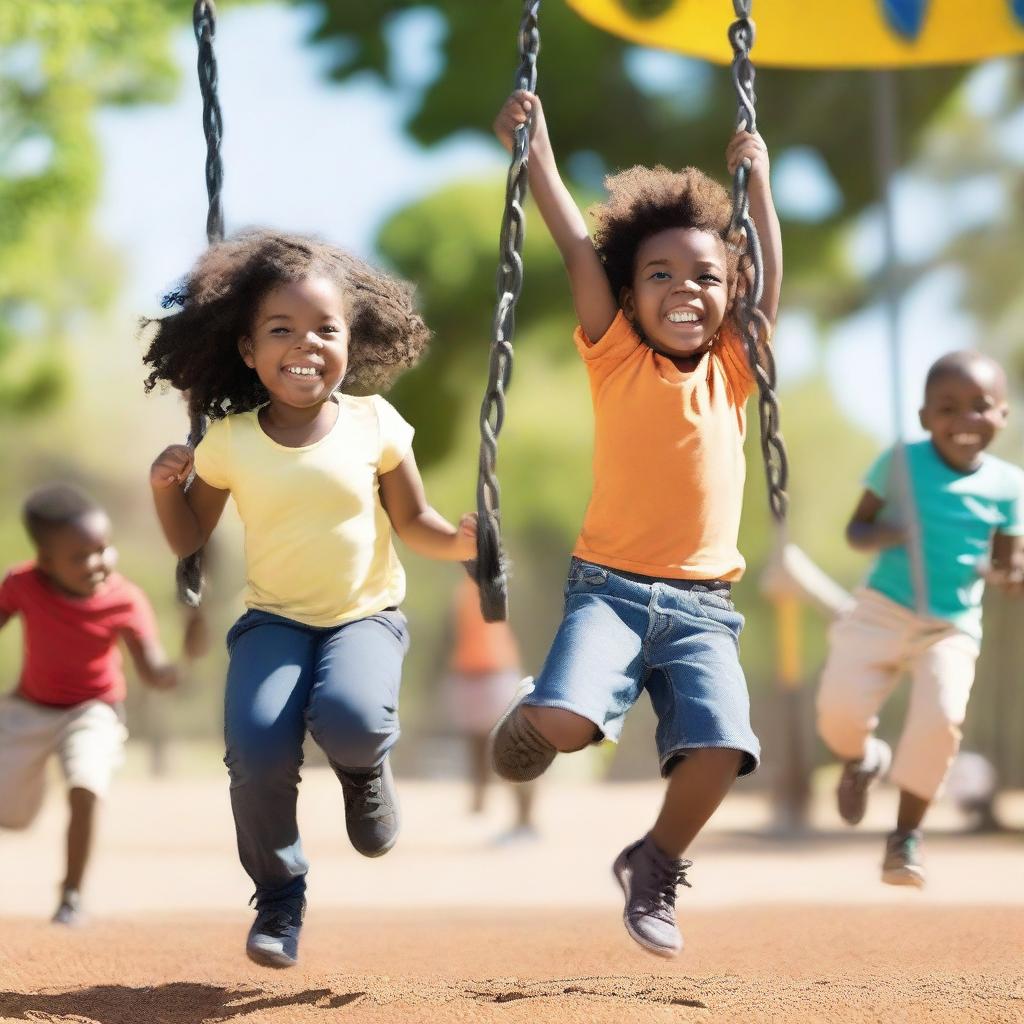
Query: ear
[
  {"x": 627, "y": 303},
  {"x": 245, "y": 351},
  {"x": 922, "y": 418},
  {"x": 1004, "y": 413}
]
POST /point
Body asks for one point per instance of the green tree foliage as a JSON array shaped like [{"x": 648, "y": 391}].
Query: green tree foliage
[{"x": 59, "y": 62}]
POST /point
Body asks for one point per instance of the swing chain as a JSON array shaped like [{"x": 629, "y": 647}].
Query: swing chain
[
  {"x": 489, "y": 569},
  {"x": 204, "y": 20},
  {"x": 189, "y": 575},
  {"x": 754, "y": 325}
]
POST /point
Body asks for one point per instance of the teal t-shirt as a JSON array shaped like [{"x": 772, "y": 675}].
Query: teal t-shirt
[{"x": 958, "y": 515}]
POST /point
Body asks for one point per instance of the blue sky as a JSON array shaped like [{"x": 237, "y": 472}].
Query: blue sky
[{"x": 311, "y": 156}]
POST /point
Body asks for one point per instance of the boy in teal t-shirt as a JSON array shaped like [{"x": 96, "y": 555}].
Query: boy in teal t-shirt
[{"x": 968, "y": 510}]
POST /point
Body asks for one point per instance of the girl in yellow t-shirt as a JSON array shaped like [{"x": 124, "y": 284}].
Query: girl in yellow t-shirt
[
  {"x": 648, "y": 603},
  {"x": 268, "y": 328}
]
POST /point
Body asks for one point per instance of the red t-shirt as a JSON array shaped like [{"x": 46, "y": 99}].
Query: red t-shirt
[{"x": 70, "y": 643}]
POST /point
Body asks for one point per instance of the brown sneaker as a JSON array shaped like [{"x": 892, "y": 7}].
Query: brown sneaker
[
  {"x": 902, "y": 864},
  {"x": 856, "y": 780},
  {"x": 518, "y": 751},
  {"x": 649, "y": 879}
]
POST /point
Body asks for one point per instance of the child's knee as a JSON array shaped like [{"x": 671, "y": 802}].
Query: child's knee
[{"x": 564, "y": 730}]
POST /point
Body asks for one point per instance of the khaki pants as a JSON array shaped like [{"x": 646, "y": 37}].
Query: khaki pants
[
  {"x": 88, "y": 739},
  {"x": 870, "y": 648}
]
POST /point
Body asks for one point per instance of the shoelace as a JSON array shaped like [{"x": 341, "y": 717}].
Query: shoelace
[
  {"x": 276, "y": 919},
  {"x": 365, "y": 793},
  {"x": 660, "y": 899}
]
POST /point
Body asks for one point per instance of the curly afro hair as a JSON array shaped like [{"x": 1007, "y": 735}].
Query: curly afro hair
[
  {"x": 195, "y": 349},
  {"x": 643, "y": 201}
]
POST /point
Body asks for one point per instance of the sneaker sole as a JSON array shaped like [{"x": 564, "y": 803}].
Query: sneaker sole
[
  {"x": 853, "y": 808},
  {"x": 644, "y": 944},
  {"x": 907, "y": 877},
  {"x": 269, "y": 958},
  {"x": 380, "y": 851}
]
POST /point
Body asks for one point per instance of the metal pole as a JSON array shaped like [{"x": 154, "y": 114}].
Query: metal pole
[{"x": 885, "y": 125}]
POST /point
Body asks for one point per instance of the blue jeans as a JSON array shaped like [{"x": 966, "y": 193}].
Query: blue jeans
[
  {"x": 622, "y": 634},
  {"x": 284, "y": 677}
]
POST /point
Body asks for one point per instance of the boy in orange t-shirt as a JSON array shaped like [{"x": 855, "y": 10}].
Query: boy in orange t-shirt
[{"x": 648, "y": 600}]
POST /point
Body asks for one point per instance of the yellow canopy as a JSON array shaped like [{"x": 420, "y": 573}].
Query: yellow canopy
[{"x": 817, "y": 33}]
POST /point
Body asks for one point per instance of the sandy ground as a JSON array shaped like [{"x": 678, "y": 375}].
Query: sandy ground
[{"x": 452, "y": 926}]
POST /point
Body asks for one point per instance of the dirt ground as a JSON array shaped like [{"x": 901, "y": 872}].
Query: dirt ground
[{"x": 453, "y": 927}]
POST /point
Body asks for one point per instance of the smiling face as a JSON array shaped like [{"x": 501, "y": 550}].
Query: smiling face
[
  {"x": 298, "y": 345},
  {"x": 964, "y": 408},
  {"x": 78, "y": 556},
  {"x": 680, "y": 292}
]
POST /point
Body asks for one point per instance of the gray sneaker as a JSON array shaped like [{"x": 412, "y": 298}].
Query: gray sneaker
[
  {"x": 69, "y": 910},
  {"x": 856, "y": 780},
  {"x": 274, "y": 936},
  {"x": 371, "y": 809},
  {"x": 649, "y": 880},
  {"x": 902, "y": 864}
]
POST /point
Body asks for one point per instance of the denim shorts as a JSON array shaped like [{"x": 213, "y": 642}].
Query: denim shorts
[{"x": 621, "y": 634}]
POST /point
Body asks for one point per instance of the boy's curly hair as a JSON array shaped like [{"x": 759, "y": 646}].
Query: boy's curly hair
[
  {"x": 643, "y": 201},
  {"x": 196, "y": 348}
]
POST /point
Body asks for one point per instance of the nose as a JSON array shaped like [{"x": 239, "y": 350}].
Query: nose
[
  {"x": 312, "y": 341},
  {"x": 688, "y": 285}
]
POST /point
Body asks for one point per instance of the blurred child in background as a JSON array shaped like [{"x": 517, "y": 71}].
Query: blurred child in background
[
  {"x": 484, "y": 673},
  {"x": 75, "y": 609},
  {"x": 969, "y": 507}
]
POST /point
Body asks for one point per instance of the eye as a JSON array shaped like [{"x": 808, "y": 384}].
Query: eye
[
  {"x": 329, "y": 329},
  {"x": 711, "y": 278},
  {"x": 659, "y": 275},
  {"x": 280, "y": 330}
]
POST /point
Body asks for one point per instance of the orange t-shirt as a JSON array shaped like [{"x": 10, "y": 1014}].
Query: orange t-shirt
[
  {"x": 668, "y": 457},
  {"x": 480, "y": 646}
]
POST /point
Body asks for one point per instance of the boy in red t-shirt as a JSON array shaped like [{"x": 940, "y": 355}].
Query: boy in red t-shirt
[{"x": 74, "y": 609}]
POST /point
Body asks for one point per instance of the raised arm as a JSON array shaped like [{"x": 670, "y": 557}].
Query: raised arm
[
  {"x": 596, "y": 306},
  {"x": 747, "y": 146},
  {"x": 187, "y": 518},
  {"x": 867, "y": 532}
]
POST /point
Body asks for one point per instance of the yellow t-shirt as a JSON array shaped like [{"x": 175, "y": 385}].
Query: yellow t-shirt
[
  {"x": 317, "y": 539},
  {"x": 668, "y": 457}
]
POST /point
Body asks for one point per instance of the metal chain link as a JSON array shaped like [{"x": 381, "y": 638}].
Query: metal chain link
[
  {"x": 754, "y": 325},
  {"x": 489, "y": 570},
  {"x": 189, "y": 575}
]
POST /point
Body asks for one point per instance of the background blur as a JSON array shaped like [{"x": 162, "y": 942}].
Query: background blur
[{"x": 369, "y": 124}]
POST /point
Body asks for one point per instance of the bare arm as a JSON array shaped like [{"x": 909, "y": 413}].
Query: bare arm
[
  {"x": 747, "y": 146},
  {"x": 424, "y": 529},
  {"x": 1007, "y": 569},
  {"x": 187, "y": 518},
  {"x": 866, "y": 532},
  {"x": 596, "y": 306},
  {"x": 151, "y": 662}
]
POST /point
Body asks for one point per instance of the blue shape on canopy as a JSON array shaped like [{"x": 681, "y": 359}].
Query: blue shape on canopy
[
  {"x": 907, "y": 16},
  {"x": 1017, "y": 6}
]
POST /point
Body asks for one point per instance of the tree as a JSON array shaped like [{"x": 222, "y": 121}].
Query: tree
[{"x": 61, "y": 61}]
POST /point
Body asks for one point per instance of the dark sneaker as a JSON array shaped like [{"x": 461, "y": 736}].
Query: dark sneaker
[
  {"x": 902, "y": 864},
  {"x": 856, "y": 780},
  {"x": 274, "y": 936},
  {"x": 371, "y": 809},
  {"x": 69, "y": 910},
  {"x": 519, "y": 753},
  {"x": 649, "y": 880}
]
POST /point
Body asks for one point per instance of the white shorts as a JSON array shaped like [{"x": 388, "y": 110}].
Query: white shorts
[
  {"x": 87, "y": 738},
  {"x": 476, "y": 702}
]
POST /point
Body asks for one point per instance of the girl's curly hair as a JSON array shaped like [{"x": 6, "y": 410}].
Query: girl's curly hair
[
  {"x": 643, "y": 201},
  {"x": 196, "y": 348}
]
